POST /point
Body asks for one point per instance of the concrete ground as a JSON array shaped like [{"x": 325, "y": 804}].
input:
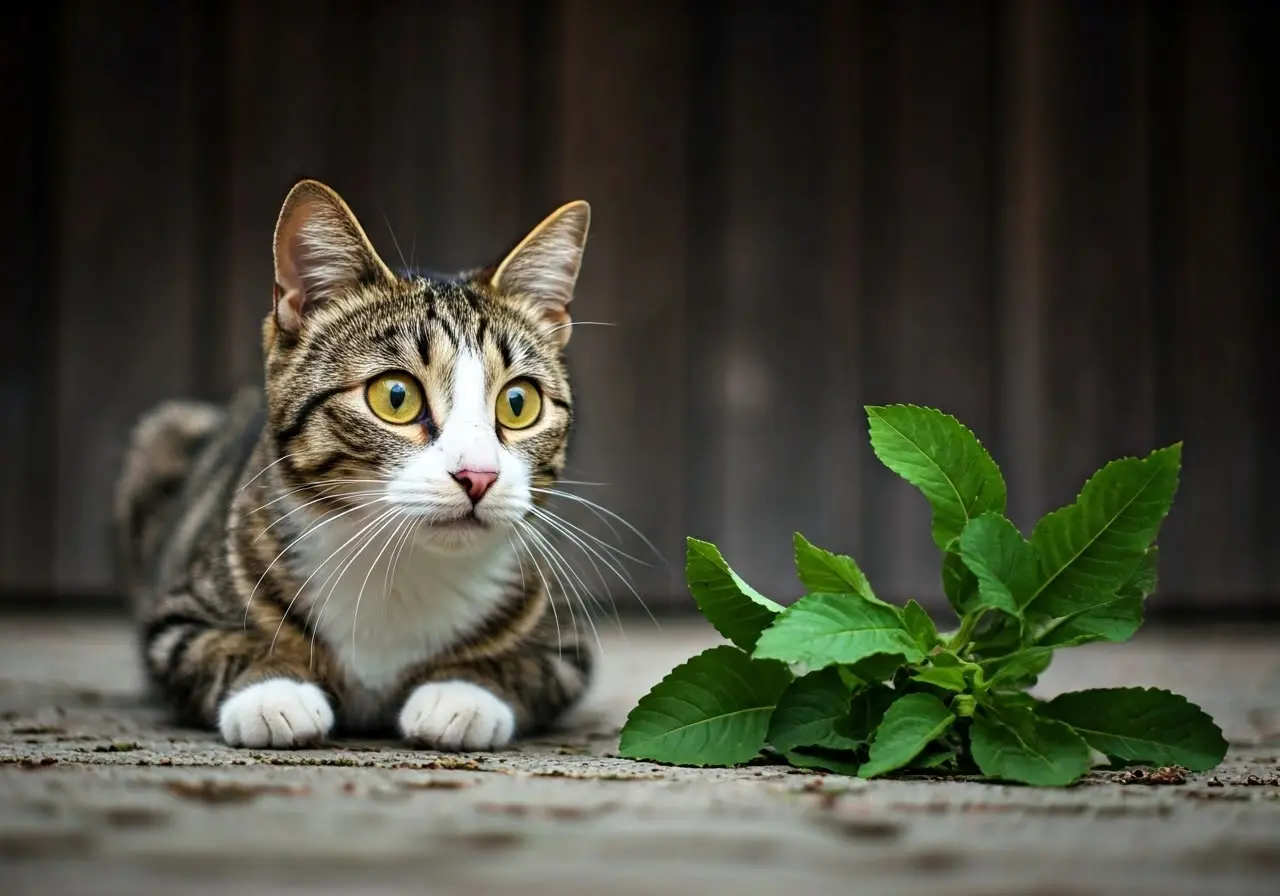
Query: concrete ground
[{"x": 98, "y": 794}]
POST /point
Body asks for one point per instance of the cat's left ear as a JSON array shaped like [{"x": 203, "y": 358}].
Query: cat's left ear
[
  {"x": 320, "y": 251},
  {"x": 540, "y": 273}
]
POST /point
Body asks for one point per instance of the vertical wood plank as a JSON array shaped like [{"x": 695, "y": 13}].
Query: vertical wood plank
[
  {"x": 842, "y": 434},
  {"x": 125, "y": 256},
  {"x": 1028, "y": 48},
  {"x": 628, "y": 378},
  {"x": 1097, "y": 321},
  {"x": 299, "y": 99},
  {"x": 446, "y": 138},
  {"x": 774, "y": 401},
  {"x": 1212, "y": 368},
  {"x": 28, "y": 309},
  {"x": 928, "y": 322},
  {"x": 706, "y": 303}
]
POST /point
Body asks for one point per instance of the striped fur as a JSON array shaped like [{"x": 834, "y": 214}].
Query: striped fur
[{"x": 297, "y": 564}]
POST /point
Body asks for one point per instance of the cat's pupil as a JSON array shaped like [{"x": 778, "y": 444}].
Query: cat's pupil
[
  {"x": 515, "y": 398},
  {"x": 396, "y": 395}
]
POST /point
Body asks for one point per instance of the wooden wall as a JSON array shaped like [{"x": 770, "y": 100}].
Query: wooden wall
[{"x": 1054, "y": 220}]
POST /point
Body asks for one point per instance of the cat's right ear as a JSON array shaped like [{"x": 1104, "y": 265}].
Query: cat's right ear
[{"x": 320, "y": 251}]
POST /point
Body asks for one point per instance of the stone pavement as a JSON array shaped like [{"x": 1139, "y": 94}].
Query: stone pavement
[{"x": 98, "y": 794}]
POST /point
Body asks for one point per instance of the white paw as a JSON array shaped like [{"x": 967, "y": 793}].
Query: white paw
[
  {"x": 279, "y": 712},
  {"x": 457, "y": 715}
]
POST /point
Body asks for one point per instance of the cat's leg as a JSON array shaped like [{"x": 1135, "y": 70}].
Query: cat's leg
[
  {"x": 254, "y": 692},
  {"x": 484, "y": 703}
]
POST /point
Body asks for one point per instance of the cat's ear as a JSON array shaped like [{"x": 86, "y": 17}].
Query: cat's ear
[
  {"x": 541, "y": 271},
  {"x": 320, "y": 251}
]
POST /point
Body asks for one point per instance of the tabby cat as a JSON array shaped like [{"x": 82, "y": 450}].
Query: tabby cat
[{"x": 350, "y": 547}]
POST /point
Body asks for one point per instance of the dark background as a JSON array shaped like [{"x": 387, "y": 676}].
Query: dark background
[{"x": 1057, "y": 221}]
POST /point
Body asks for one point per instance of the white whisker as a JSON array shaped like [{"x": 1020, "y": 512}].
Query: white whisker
[
  {"x": 264, "y": 469},
  {"x": 546, "y": 589},
  {"x": 553, "y": 557},
  {"x": 592, "y": 555},
  {"x": 323, "y": 521},
  {"x": 283, "y": 517},
  {"x": 592, "y": 505},
  {"x": 580, "y": 323},
  {"x": 312, "y": 575},
  {"x": 398, "y": 519},
  {"x": 315, "y": 626}
]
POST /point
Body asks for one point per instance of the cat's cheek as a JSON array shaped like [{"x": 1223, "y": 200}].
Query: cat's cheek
[{"x": 456, "y": 715}]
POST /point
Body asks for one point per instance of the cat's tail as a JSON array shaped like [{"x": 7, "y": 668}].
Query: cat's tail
[{"x": 163, "y": 448}]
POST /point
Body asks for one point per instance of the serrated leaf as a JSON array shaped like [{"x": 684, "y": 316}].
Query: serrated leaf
[
  {"x": 1020, "y": 746},
  {"x": 823, "y": 571},
  {"x": 1002, "y": 561},
  {"x": 937, "y": 454},
  {"x": 1115, "y": 621},
  {"x": 1142, "y": 581},
  {"x": 814, "y": 712},
  {"x": 842, "y": 762},
  {"x": 909, "y": 725},
  {"x": 920, "y": 625},
  {"x": 959, "y": 583},
  {"x": 1088, "y": 550},
  {"x": 712, "y": 710},
  {"x": 822, "y": 630},
  {"x": 1018, "y": 670},
  {"x": 737, "y": 610},
  {"x": 1142, "y": 725}
]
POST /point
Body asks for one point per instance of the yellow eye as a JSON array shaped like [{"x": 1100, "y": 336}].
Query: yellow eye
[
  {"x": 395, "y": 397},
  {"x": 519, "y": 404}
]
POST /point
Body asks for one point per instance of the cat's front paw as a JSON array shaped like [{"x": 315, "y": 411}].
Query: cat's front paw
[
  {"x": 278, "y": 712},
  {"x": 456, "y": 715}
]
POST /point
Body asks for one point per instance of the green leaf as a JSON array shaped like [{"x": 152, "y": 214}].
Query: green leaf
[
  {"x": 712, "y": 710},
  {"x": 909, "y": 725},
  {"x": 1115, "y": 621},
  {"x": 823, "y": 571},
  {"x": 949, "y": 678},
  {"x": 1142, "y": 581},
  {"x": 941, "y": 457},
  {"x": 1142, "y": 725},
  {"x": 1002, "y": 561},
  {"x": 876, "y": 668},
  {"x": 829, "y": 629},
  {"x": 1020, "y": 746},
  {"x": 933, "y": 759},
  {"x": 868, "y": 709},
  {"x": 1018, "y": 670},
  {"x": 920, "y": 625},
  {"x": 814, "y": 712},
  {"x": 737, "y": 610},
  {"x": 842, "y": 762},
  {"x": 1088, "y": 550},
  {"x": 959, "y": 583}
]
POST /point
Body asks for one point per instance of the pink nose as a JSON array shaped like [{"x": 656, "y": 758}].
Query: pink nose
[{"x": 476, "y": 482}]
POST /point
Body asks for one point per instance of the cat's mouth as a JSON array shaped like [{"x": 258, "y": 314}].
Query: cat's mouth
[{"x": 467, "y": 523}]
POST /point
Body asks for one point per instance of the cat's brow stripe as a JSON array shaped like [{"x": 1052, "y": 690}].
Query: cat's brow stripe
[{"x": 295, "y": 426}]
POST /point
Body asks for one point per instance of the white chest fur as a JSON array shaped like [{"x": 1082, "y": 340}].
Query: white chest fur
[{"x": 389, "y": 607}]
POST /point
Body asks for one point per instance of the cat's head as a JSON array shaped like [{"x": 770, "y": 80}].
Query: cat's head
[{"x": 438, "y": 400}]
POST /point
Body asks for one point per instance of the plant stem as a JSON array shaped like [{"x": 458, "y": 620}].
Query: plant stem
[{"x": 961, "y": 638}]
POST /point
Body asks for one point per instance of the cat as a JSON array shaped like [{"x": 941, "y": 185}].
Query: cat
[{"x": 349, "y": 549}]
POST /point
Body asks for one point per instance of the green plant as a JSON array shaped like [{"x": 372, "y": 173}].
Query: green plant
[{"x": 844, "y": 681}]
